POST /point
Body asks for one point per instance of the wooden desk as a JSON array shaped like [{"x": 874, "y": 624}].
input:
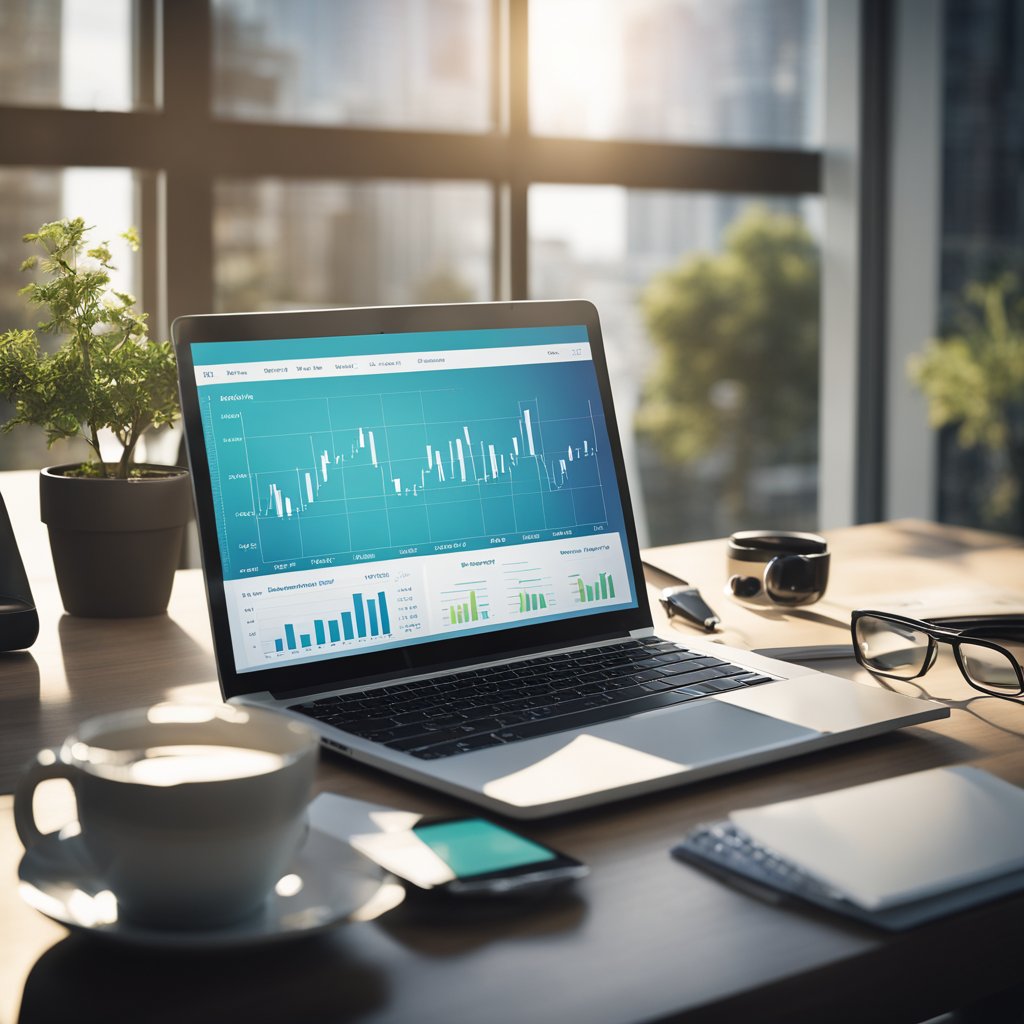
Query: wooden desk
[{"x": 643, "y": 938}]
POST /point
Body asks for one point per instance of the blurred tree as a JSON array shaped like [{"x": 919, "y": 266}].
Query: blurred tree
[
  {"x": 737, "y": 340},
  {"x": 974, "y": 382}
]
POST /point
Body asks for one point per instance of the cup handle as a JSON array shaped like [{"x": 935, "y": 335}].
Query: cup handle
[{"x": 47, "y": 764}]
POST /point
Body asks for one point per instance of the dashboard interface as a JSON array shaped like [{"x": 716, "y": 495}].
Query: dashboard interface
[{"x": 383, "y": 490}]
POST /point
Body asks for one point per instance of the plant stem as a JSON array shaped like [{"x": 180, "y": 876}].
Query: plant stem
[{"x": 94, "y": 443}]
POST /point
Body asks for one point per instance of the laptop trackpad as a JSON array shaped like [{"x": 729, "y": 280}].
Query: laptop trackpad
[
  {"x": 626, "y": 753},
  {"x": 704, "y": 733}
]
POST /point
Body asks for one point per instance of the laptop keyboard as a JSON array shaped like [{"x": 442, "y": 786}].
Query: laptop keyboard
[{"x": 471, "y": 710}]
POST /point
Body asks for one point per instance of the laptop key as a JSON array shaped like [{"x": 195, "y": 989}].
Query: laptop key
[
  {"x": 462, "y": 746},
  {"x": 719, "y": 685},
  {"x": 753, "y": 680},
  {"x": 684, "y": 678},
  {"x": 627, "y": 692},
  {"x": 424, "y": 740},
  {"x": 480, "y": 725},
  {"x": 733, "y": 670},
  {"x": 367, "y": 728},
  {"x": 659, "y": 685},
  {"x": 506, "y": 718}
]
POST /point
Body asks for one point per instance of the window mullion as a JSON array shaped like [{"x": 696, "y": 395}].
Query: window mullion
[{"x": 187, "y": 213}]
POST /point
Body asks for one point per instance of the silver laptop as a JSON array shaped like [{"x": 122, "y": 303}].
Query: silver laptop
[{"x": 416, "y": 535}]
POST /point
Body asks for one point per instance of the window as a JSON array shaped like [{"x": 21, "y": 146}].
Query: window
[
  {"x": 68, "y": 53},
  {"x": 281, "y": 245},
  {"x": 386, "y": 63},
  {"x": 312, "y": 153},
  {"x": 759, "y": 394},
  {"x": 734, "y": 72},
  {"x": 982, "y": 238}
]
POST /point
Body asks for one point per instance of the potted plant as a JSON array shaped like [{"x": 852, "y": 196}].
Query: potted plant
[{"x": 115, "y": 527}]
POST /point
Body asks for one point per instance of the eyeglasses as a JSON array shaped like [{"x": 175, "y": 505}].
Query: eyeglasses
[{"x": 988, "y": 651}]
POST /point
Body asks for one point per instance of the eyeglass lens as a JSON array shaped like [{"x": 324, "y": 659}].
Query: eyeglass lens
[
  {"x": 892, "y": 647},
  {"x": 990, "y": 669}
]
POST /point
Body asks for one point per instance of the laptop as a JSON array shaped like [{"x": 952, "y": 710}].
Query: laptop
[{"x": 416, "y": 536}]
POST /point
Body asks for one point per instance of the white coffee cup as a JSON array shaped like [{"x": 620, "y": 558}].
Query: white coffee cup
[{"x": 190, "y": 812}]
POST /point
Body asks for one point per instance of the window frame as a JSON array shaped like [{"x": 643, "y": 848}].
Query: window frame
[{"x": 181, "y": 149}]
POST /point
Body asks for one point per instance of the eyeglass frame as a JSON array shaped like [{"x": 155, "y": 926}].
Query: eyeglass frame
[{"x": 954, "y": 637}]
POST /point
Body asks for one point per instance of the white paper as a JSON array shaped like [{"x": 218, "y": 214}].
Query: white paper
[{"x": 900, "y": 839}]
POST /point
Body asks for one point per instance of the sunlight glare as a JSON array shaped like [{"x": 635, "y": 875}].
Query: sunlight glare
[{"x": 575, "y": 66}]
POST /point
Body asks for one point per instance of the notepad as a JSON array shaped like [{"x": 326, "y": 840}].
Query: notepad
[{"x": 896, "y": 852}]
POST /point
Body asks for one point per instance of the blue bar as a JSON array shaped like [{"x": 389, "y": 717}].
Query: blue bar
[
  {"x": 371, "y": 607},
  {"x": 289, "y": 632},
  {"x": 385, "y": 620},
  {"x": 278, "y": 645},
  {"x": 357, "y": 602},
  {"x": 346, "y": 624},
  {"x": 332, "y": 625},
  {"x": 318, "y": 628},
  {"x": 305, "y": 640}
]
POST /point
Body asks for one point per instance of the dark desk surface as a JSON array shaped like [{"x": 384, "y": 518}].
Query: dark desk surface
[{"x": 643, "y": 938}]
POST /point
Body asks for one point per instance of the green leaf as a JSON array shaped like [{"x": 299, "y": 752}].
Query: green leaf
[{"x": 106, "y": 374}]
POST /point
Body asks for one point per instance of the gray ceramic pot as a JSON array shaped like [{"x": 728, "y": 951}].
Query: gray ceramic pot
[{"x": 115, "y": 543}]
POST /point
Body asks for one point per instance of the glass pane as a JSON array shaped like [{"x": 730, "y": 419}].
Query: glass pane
[
  {"x": 743, "y": 72},
  {"x": 283, "y": 244},
  {"x": 390, "y": 63},
  {"x": 993, "y": 669},
  {"x": 30, "y": 197},
  {"x": 67, "y": 53},
  {"x": 709, "y": 305},
  {"x": 982, "y": 225},
  {"x": 891, "y": 647}
]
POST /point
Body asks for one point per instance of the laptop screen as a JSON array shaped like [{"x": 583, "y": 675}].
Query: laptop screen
[{"x": 376, "y": 491}]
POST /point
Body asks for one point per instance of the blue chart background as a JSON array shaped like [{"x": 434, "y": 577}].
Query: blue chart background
[{"x": 288, "y": 424}]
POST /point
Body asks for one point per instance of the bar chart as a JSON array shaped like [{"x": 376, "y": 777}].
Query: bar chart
[
  {"x": 367, "y": 617},
  {"x": 528, "y": 589},
  {"x": 465, "y": 605},
  {"x": 332, "y": 612},
  {"x": 600, "y": 588}
]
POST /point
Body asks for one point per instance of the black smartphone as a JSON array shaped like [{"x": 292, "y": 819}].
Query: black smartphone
[{"x": 468, "y": 857}]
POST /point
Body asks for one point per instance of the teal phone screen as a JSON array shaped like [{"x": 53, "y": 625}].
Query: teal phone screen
[{"x": 474, "y": 846}]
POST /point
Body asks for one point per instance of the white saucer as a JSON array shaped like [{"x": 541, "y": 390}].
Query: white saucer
[{"x": 328, "y": 882}]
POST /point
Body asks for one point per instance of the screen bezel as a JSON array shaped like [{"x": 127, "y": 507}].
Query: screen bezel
[{"x": 356, "y": 670}]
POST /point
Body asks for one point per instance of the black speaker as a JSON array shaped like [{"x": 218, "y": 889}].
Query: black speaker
[{"x": 19, "y": 623}]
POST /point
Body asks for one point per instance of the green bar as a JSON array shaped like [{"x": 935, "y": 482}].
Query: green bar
[
  {"x": 604, "y": 586},
  {"x": 472, "y": 605},
  {"x": 522, "y": 602},
  {"x": 533, "y": 601},
  {"x": 583, "y": 596},
  {"x": 465, "y": 613},
  {"x": 543, "y": 603},
  {"x": 452, "y": 611},
  {"x": 611, "y": 587},
  {"x": 590, "y": 592}
]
